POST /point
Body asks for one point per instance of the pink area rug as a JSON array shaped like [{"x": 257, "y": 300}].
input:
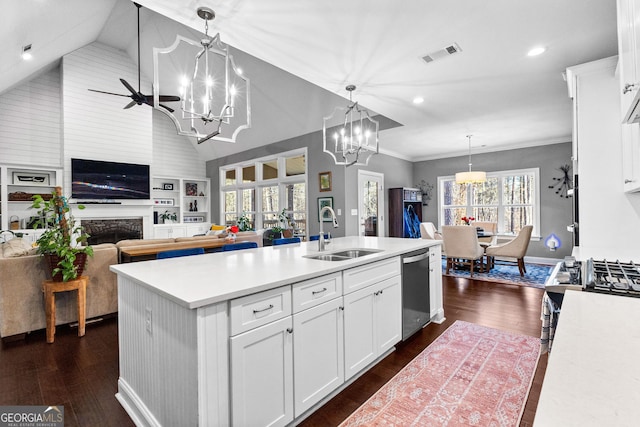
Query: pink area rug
[{"x": 470, "y": 375}]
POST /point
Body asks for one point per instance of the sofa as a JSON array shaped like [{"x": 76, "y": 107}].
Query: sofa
[
  {"x": 22, "y": 300},
  {"x": 22, "y": 273}
]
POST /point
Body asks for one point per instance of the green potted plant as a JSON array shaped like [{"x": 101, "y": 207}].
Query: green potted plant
[
  {"x": 168, "y": 217},
  {"x": 62, "y": 239}
]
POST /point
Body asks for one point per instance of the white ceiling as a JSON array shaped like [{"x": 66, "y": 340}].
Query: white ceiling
[{"x": 491, "y": 89}]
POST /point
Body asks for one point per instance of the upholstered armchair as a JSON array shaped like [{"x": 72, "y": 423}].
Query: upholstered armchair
[
  {"x": 490, "y": 228},
  {"x": 428, "y": 231},
  {"x": 515, "y": 248},
  {"x": 462, "y": 246}
]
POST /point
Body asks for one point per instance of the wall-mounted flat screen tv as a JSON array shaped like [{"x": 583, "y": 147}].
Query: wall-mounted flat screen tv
[{"x": 96, "y": 179}]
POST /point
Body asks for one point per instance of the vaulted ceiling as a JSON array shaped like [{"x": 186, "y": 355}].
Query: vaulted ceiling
[{"x": 301, "y": 54}]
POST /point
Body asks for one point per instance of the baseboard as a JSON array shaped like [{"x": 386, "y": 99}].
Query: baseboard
[{"x": 138, "y": 412}]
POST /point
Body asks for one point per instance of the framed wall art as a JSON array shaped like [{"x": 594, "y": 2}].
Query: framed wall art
[
  {"x": 325, "y": 181},
  {"x": 322, "y": 202},
  {"x": 167, "y": 186},
  {"x": 191, "y": 189}
]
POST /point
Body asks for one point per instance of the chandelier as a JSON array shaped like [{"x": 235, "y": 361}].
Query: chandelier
[
  {"x": 214, "y": 95},
  {"x": 350, "y": 136},
  {"x": 470, "y": 177}
]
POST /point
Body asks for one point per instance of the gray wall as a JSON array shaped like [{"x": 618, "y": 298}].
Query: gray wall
[
  {"x": 344, "y": 191},
  {"x": 555, "y": 212}
]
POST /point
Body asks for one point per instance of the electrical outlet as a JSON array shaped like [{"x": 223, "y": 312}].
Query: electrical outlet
[
  {"x": 339, "y": 212},
  {"x": 147, "y": 320}
]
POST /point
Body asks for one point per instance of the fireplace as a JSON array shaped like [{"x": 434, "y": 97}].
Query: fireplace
[{"x": 112, "y": 230}]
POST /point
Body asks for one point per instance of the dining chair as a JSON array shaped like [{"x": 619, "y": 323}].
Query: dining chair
[
  {"x": 180, "y": 252},
  {"x": 286, "y": 241},
  {"x": 428, "y": 231},
  {"x": 462, "y": 246},
  {"x": 488, "y": 228},
  {"x": 239, "y": 246},
  {"x": 516, "y": 248}
]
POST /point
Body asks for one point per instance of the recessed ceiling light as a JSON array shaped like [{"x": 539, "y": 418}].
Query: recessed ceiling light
[
  {"x": 538, "y": 50},
  {"x": 26, "y": 52},
  {"x": 418, "y": 100}
]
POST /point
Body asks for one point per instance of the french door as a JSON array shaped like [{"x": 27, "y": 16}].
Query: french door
[{"x": 370, "y": 203}]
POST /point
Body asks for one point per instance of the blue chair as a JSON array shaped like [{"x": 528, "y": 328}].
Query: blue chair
[
  {"x": 286, "y": 241},
  {"x": 317, "y": 237},
  {"x": 238, "y": 246},
  {"x": 179, "y": 253}
]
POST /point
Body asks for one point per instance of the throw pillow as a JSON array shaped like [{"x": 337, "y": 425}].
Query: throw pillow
[{"x": 17, "y": 247}]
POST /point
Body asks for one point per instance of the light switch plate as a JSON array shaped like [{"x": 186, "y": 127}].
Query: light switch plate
[{"x": 354, "y": 212}]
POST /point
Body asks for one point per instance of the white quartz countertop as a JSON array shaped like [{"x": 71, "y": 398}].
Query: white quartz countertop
[
  {"x": 593, "y": 373},
  {"x": 200, "y": 280}
]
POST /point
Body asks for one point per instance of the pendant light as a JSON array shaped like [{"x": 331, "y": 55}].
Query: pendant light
[{"x": 470, "y": 177}]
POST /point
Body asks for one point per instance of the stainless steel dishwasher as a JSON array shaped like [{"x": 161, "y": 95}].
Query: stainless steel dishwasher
[{"x": 415, "y": 292}]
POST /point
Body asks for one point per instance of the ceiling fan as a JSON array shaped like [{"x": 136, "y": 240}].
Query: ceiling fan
[{"x": 137, "y": 96}]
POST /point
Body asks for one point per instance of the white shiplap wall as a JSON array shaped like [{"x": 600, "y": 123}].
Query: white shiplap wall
[
  {"x": 30, "y": 117},
  {"x": 95, "y": 125},
  {"x": 173, "y": 154}
]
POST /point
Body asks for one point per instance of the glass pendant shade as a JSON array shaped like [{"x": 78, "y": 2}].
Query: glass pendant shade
[
  {"x": 214, "y": 95},
  {"x": 350, "y": 135},
  {"x": 470, "y": 177}
]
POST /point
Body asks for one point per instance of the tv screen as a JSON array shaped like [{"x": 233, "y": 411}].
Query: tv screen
[{"x": 95, "y": 179}]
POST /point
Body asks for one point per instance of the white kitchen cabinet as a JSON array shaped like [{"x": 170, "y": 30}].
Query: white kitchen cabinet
[
  {"x": 262, "y": 375},
  {"x": 436, "y": 310},
  {"x": 372, "y": 323},
  {"x": 318, "y": 346},
  {"x": 630, "y": 138}
]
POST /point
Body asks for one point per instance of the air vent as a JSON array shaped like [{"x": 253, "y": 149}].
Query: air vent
[{"x": 442, "y": 53}]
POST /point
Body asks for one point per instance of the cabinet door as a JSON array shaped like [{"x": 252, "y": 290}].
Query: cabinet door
[
  {"x": 262, "y": 375},
  {"x": 630, "y": 137},
  {"x": 359, "y": 320},
  {"x": 318, "y": 345},
  {"x": 388, "y": 314},
  {"x": 627, "y": 53}
]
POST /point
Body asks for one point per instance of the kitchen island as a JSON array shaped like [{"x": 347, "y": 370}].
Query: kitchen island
[
  {"x": 260, "y": 336},
  {"x": 593, "y": 374}
]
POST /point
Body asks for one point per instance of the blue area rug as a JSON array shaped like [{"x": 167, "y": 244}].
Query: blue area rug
[{"x": 535, "y": 276}]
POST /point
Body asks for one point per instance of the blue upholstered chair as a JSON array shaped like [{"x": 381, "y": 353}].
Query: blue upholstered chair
[
  {"x": 238, "y": 246},
  {"x": 286, "y": 241},
  {"x": 317, "y": 237},
  {"x": 180, "y": 252}
]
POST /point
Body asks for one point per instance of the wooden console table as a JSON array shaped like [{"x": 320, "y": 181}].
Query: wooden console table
[
  {"x": 129, "y": 254},
  {"x": 49, "y": 287}
]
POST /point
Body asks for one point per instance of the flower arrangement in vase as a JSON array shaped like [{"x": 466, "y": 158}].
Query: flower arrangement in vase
[
  {"x": 467, "y": 219},
  {"x": 231, "y": 233}
]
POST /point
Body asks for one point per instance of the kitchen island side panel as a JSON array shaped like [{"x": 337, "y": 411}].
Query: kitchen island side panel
[{"x": 158, "y": 357}]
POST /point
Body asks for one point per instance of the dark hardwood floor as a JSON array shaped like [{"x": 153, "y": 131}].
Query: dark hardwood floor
[{"x": 82, "y": 373}]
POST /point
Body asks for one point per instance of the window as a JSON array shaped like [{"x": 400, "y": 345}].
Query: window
[
  {"x": 266, "y": 187},
  {"x": 510, "y": 198}
]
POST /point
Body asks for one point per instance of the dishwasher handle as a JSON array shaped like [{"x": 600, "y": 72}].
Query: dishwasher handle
[{"x": 417, "y": 258}]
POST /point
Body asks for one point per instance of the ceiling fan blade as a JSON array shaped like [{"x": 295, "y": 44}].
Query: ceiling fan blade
[
  {"x": 128, "y": 86},
  {"x": 129, "y": 105},
  {"x": 109, "y": 93},
  {"x": 168, "y": 98}
]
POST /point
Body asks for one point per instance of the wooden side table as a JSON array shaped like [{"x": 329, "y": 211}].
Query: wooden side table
[{"x": 49, "y": 287}]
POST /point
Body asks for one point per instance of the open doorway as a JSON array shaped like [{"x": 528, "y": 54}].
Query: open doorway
[{"x": 370, "y": 203}]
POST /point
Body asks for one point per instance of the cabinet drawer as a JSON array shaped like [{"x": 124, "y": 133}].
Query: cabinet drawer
[
  {"x": 312, "y": 292},
  {"x": 259, "y": 309},
  {"x": 360, "y": 277}
]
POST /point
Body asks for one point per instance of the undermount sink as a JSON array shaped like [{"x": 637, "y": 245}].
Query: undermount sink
[{"x": 343, "y": 255}]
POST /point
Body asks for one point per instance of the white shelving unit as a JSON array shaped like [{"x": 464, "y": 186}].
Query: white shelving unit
[
  {"x": 16, "y": 184},
  {"x": 188, "y": 199}
]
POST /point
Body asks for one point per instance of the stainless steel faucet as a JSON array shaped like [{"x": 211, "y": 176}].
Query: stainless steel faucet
[{"x": 321, "y": 242}]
